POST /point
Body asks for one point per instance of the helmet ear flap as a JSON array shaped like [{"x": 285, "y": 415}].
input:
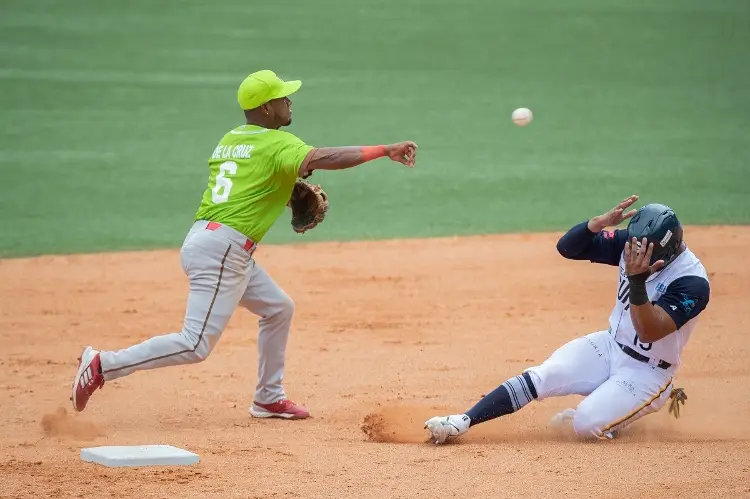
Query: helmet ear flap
[
  {"x": 673, "y": 247},
  {"x": 667, "y": 257}
]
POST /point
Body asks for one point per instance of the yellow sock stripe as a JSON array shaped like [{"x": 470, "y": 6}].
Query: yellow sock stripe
[{"x": 643, "y": 406}]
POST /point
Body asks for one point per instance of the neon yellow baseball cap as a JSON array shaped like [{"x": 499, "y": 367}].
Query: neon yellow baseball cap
[{"x": 263, "y": 86}]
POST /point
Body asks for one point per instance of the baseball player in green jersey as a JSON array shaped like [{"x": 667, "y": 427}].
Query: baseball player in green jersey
[{"x": 252, "y": 172}]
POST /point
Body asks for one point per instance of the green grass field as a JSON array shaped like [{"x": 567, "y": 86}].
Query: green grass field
[{"x": 110, "y": 111}]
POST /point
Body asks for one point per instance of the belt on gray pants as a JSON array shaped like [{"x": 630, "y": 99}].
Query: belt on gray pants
[{"x": 233, "y": 235}]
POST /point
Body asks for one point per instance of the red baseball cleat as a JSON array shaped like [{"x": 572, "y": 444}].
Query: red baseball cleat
[
  {"x": 88, "y": 378},
  {"x": 285, "y": 409}
]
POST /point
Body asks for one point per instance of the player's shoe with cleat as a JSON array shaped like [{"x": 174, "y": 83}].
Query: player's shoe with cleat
[
  {"x": 442, "y": 428},
  {"x": 88, "y": 379},
  {"x": 285, "y": 409}
]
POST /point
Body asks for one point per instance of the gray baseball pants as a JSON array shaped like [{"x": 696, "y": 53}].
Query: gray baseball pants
[{"x": 222, "y": 273}]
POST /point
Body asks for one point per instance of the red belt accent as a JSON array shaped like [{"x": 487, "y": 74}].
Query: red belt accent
[{"x": 215, "y": 225}]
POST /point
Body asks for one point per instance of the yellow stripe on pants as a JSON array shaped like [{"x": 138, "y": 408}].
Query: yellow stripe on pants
[{"x": 639, "y": 409}]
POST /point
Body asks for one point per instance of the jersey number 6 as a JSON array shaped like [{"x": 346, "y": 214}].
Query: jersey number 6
[{"x": 220, "y": 192}]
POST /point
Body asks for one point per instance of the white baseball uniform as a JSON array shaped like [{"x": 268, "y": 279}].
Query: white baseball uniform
[{"x": 623, "y": 378}]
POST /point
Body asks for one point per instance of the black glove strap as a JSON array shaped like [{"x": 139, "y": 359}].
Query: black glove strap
[{"x": 638, "y": 293}]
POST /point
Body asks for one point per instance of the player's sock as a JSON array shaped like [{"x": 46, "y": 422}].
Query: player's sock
[{"x": 505, "y": 399}]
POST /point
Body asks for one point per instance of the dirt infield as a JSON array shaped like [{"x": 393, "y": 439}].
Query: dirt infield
[{"x": 385, "y": 335}]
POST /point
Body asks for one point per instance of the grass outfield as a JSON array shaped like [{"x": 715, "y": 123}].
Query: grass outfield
[{"x": 111, "y": 111}]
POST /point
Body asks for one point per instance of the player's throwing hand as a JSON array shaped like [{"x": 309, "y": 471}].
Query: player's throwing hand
[
  {"x": 615, "y": 216},
  {"x": 403, "y": 152},
  {"x": 638, "y": 256}
]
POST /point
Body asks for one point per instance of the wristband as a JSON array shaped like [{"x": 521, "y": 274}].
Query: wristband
[
  {"x": 373, "y": 152},
  {"x": 638, "y": 293}
]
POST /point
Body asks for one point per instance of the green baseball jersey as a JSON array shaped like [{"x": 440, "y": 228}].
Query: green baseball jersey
[{"x": 251, "y": 176}]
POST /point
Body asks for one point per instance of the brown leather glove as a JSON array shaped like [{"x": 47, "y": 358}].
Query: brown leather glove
[{"x": 309, "y": 204}]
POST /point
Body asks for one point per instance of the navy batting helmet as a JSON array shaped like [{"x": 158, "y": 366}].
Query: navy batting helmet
[{"x": 659, "y": 225}]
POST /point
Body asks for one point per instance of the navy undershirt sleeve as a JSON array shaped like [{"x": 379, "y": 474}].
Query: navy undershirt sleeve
[
  {"x": 685, "y": 298},
  {"x": 579, "y": 243}
]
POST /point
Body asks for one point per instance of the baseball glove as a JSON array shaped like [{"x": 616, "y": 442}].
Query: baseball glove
[
  {"x": 309, "y": 204},
  {"x": 677, "y": 397}
]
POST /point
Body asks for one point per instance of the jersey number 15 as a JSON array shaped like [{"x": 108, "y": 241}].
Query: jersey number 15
[{"x": 623, "y": 294}]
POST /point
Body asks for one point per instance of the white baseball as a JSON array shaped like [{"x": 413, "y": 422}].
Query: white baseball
[{"x": 522, "y": 116}]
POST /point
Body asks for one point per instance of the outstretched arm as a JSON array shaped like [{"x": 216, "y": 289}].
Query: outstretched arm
[
  {"x": 581, "y": 243},
  {"x": 590, "y": 241},
  {"x": 339, "y": 158}
]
